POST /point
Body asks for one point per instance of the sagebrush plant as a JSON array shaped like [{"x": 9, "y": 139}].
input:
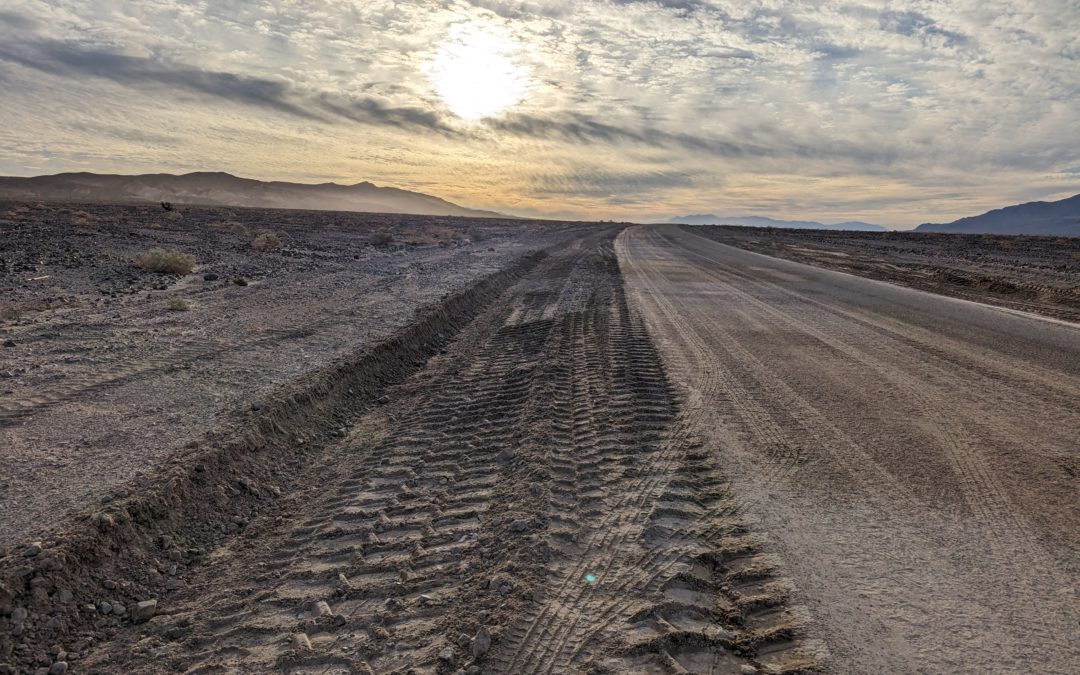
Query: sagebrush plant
[
  {"x": 266, "y": 241},
  {"x": 165, "y": 261},
  {"x": 381, "y": 238},
  {"x": 179, "y": 305}
]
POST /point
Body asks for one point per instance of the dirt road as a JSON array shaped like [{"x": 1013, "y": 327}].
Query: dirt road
[
  {"x": 913, "y": 459},
  {"x": 529, "y": 502}
]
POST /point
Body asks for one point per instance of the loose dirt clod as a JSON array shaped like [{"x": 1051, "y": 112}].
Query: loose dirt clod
[{"x": 143, "y": 611}]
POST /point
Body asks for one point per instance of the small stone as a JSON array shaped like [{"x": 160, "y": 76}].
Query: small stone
[
  {"x": 240, "y": 281},
  {"x": 143, "y": 611},
  {"x": 322, "y": 608},
  {"x": 9, "y": 343},
  {"x": 109, "y": 585},
  {"x": 33, "y": 549},
  {"x": 301, "y": 641},
  {"x": 18, "y": 629},
  {"x": 65, "y": 596},
  {"x": 104, "y": 607},
  {"x": 119, "y": 610},
  {"x": 473, "y": 670},
  {"x": 383, "y": 400},
  {"x": 463, "y": 641},
  {"x": 504, "y": 456},
  {"x": 536, "y": 489},
  {"x": 210, "y": 277},
  {"x": 339, "y": 619},
  {"x": 58, "y": 668},
  {"x": 172, "y": 584},
  {"x": 18, "y": 615},
  {"x": 447, "y": 655},
  {"x": 519, "y": 525},
  {"x": 481, "y": 643},
  {"x": 747, "y": 669}
]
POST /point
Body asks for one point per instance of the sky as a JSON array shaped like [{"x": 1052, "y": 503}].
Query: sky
[{"x": 891, "y": 112}]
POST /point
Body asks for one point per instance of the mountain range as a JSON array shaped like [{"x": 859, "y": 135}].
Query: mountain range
[
  {"x": 761, "y": 221},
  {"x": 223, "y": 189},
  {"x": 1060, "y": 218}
]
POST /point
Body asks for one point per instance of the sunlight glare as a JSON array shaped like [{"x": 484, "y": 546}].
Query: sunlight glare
[{"x": 477, "y": 72}]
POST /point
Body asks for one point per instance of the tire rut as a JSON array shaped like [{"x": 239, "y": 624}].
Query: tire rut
[{"x": 537, "y": 482}]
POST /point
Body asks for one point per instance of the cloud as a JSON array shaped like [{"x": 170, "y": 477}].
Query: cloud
[
  {"x": 829, "y": 110},
  {"x": 73, "y": 60}
]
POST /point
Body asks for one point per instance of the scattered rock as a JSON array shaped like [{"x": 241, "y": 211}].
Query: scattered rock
[
  {"x": 210, "y": 277},
  {"x": 519, "y": 525},
  {"x": 747, "y": 669},
  {"x": 322, "y": 608},
  {"x": 104, "y": 607},
  {"x": 18, "y": 615},
  {"x": 447, "y": 655},
  {"x": 473, "y": 670},
  {"x": 504, "y": 456},
  {"x": 240, "y": 281},
  {"x": 9, "y": 343},
  {"x": 33, "y": 549},
  {"x": 301, "y": 641},
  {"x": 58, "y": 668},
  {"x": 481, "y": 643},
  {"x": 143, "y": 611}
]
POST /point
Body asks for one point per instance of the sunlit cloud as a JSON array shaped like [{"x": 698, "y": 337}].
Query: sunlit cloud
[
  {"x": 896, "y": 112},
  {"x": 478, "y": 72}
]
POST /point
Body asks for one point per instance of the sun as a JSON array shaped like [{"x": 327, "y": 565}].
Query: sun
[{"x": 478, "y": 72}]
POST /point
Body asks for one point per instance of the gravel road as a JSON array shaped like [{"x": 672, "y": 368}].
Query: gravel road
[{"x": 911, "y": 458}]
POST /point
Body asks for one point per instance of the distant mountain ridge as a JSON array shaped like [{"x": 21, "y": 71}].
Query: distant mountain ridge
[
  {"x": 1060, "y": 218},
  {"x": 762, "y": 221},
  {"x": 224, "y": 189}
]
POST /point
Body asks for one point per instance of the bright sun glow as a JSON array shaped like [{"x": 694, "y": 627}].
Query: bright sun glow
[{"x": 477, "y": 72}]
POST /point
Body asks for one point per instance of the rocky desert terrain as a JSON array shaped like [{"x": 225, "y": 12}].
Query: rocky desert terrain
[
  {"x": 340, "y": 443},
  {"x": 1024, "y": 272}
]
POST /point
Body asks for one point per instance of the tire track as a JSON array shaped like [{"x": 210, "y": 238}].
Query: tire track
[{"x": 538, "y": 483}]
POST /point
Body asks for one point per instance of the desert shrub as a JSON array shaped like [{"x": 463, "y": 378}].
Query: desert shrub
[
  {"x": 381, "y": 238},
  {"x": 178, "y": 305},
  {"x": 476, "y": 234},
  {"x": 165, "y": 261},
  {"x": 266, "y": 241}
]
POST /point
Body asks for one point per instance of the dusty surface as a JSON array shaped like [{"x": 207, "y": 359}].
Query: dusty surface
[
  {"x": 1032, "y": 274},
  {"x": 562, "y": 450},
  {"x": 912, "y": 458},
  {"x": 104, "y": 382},
  {"x": 534, "y": 482}
]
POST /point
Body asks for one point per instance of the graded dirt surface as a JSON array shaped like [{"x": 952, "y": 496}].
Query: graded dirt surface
[
  {"x": 102, "y": 382},
  {"x": 535, "y": 482},
  {"x": 911, "y": 458},
  {"x": 505, "y": 487},
  {"x": 1027, "y": 273}
]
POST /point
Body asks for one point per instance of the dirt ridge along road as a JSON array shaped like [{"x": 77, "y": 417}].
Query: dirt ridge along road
[
  {"x": 910, "y": 458},
  {"x": 122, "y": 549},
  {"x": 535, "y": 482}
]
